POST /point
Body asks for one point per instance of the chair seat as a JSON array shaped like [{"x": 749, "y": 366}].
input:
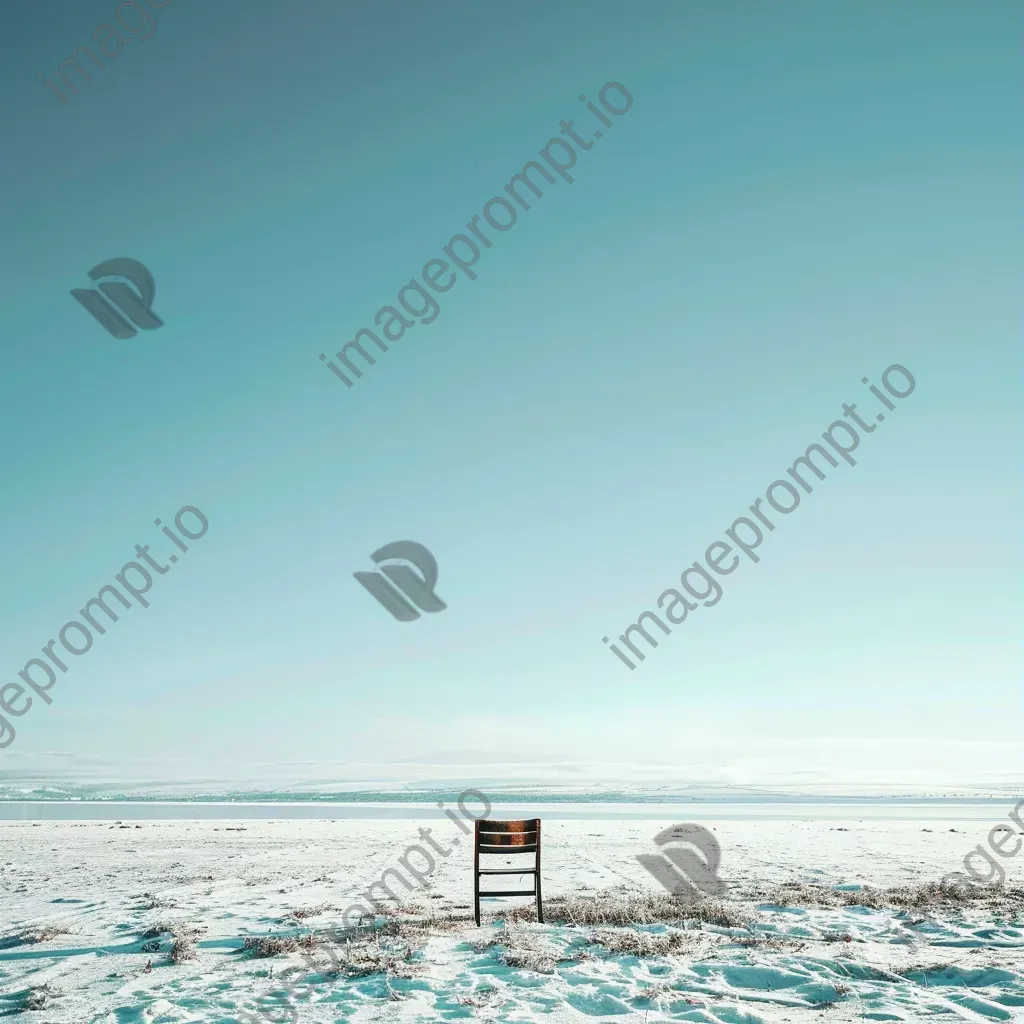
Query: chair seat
[{"x": 508, "y": 871}]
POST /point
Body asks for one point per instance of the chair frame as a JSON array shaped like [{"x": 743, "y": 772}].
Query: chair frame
[{"x": 504, "y": 838}]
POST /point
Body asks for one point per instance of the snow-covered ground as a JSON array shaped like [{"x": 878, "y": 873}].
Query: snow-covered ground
[{"x": 108, "y": 884}]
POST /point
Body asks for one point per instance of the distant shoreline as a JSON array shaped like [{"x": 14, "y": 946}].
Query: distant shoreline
[
  {"x": 516, "y": 797},
  {"x": 383, "y": 807}
]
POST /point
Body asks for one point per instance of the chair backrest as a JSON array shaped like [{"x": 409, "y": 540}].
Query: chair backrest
[{"x": 508, "y": 836}]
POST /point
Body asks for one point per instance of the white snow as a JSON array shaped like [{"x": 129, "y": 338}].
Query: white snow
[{"x": 108, "y": 883}]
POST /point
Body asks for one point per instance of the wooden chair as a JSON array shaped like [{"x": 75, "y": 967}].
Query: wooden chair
[{"x": 507, "y": 838}]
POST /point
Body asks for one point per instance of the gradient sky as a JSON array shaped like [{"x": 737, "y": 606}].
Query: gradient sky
[{"x": 800, "y": 196}]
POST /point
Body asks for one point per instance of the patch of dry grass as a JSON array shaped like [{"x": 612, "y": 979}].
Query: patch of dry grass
[
  {"x": 631, "y": 942},
  {"x": 182, "y": 949},
  {"x": 529, "y": 957},
  {"x": 160, "y": 929},
  {"x": 623, "y": 907},
  {"x": 414, "y": 929},
  {"x": 381, "y": 954},
  {"x": 33, "y": 935},
  {"x": 262, "y": 946},
  {"x": 40, "y": 997},
  {"x": 525, "y": 949},
  {"x": 478, "y": 998},
  {"x": 303, "y": 913},
  {"x": 936, "y": 968},
  {"x": 664, "y": 992},
  {"x": 43, "y": 933},
  {"x": 422, "y": 926},
  {"x": 767, "y": 943},
  {"x": 184, "y": 945},
  {"x": 929, "y": 896},
  {"x": 405, "y": 908},
  {"x": 150, "y": 901}
]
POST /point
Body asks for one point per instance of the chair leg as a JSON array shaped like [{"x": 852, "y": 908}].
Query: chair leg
[
  {"x": 540, "y": 907},
  {"x": 476, "y": 869}
]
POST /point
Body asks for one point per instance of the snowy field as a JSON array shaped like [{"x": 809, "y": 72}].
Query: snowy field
[{"x": 85, "y": 906}]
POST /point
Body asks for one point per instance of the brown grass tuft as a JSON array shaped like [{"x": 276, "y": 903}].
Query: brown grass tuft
[
  {"x": 387, "y": 955},
  {"x": 526, "y": 949},
  {"x": 261, "y": 946},
  {"x": 306, "y": 912},
  {"x": 184, "y": 946},
  {"x": 631, "y": 942},
  {"x": 624, "y": 907},
  {"x": 39, "y": 997},
  {"x": 44, "y": 933},
  {"x": 930, "y": 896}
]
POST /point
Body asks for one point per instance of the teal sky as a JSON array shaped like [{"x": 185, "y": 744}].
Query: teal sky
[{"x": 799, "y": 197}]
